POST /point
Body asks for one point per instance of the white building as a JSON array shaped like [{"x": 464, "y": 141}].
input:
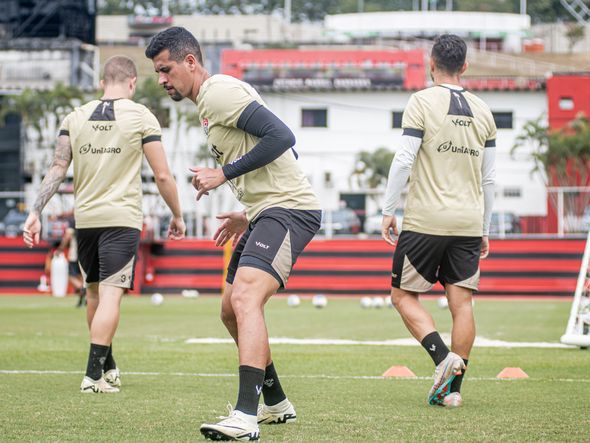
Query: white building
[{"x": 497, "y": 31}]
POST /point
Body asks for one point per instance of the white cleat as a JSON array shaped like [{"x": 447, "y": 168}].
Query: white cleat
[
  {"x": 113, "y": 377},
  {"x": 444, "y": 374},
  {"x": 99, "y": 386},
  {"x": 281, "y": 413},
  {"x": 453, "y": 400},
  {"x": 234, "y": 427}
]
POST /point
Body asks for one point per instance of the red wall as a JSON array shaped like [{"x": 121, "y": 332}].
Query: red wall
[
  {"x": 355, "y": 267},
  {"x": 574, "y": 86}
]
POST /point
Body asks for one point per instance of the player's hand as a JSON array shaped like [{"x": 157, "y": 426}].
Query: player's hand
[
  {"x": 176, "y": 229},
  {"x": 485, "y": 247},
  {"x": 388, "y": 224},
  {"x": 234, "y": 224},
  {"x": 32, "y": 230},
  {"x": 206, "y": 179}
]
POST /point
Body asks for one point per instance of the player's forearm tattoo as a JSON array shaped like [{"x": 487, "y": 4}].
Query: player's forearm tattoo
[{"x": 56, "y": 174}]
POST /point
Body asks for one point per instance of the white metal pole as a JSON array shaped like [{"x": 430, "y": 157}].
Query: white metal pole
[
  {"x": 523, "y": 7},
  {"x": 288, "y": 11},
  {"x": 560, "y": 214}
]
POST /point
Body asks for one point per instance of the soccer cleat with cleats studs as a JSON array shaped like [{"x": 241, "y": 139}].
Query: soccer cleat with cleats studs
[
  {"x": 113, "y": 377},
  {"x": 99, "y": 386},
  {"x": 444, "y": 375},
  {"x": 453, "y": 400},
  {"x": 233, "y": 427},
  {"x": 281, "y": 413}
]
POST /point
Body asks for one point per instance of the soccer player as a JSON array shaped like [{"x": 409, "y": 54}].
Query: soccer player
[
  {"x": 282, "y": 214},
  {"x": 107, "y": 139},
  {"x": 448, "y": 153}
]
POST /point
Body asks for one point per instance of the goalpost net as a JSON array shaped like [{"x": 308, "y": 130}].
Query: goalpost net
[{"x": 577, "y": 332}]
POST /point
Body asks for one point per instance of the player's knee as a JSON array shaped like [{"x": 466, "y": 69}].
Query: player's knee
[
  {"x": 227, "y": 316},
  {"x": 397, "y": 297},
  {"x": 243, "y": 299}
]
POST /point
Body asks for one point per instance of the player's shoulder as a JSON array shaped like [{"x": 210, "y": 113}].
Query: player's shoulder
[
  {"x": 475, "y": 99},
  {"x": 220, "y": 84},
  {"x": 127, "y": 104},
  {"x": 429, "y": 95}
]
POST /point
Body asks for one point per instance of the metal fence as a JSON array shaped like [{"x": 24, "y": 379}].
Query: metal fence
[{"x": 566, "y": 213}]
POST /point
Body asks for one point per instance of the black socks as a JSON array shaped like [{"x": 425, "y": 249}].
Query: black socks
[
  {"x": 110, "y": 361},
  {"x": 456, "y": 383},
  {"x": 96, "y": 360},
  {"x": 435, "y": 347},
  {"x": 272, "y": 390},
  {"x": 251, "y": 382}
]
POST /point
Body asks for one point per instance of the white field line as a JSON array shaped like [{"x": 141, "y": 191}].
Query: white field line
[
  {"x": 479, "y": 342},
  {"x": 311, "y": 376}
]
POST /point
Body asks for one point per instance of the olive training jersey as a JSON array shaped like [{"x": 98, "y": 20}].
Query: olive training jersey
[
  {"x": 280, "y": 183},
  {"x": 445, "y": 194},
  {"x": 107, "y": 138}
]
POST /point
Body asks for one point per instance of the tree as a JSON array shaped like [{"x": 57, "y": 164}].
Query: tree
[
  {"x": 372, "y": 168},
  {"x": 150, "y": 94},
  {"x": 575, "y": 33},
  {"x": 562, "y": 158}
]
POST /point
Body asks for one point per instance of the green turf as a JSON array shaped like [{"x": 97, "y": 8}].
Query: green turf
[{"x": 333, "y": 403}]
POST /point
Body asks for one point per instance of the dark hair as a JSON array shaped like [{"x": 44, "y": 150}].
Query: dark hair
[
  {"x": 449, "y": 52},
  {"x": 178, "y": 41}
]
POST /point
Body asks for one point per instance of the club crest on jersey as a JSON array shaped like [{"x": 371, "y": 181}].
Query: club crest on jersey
[{"x": 205, "y": 124}]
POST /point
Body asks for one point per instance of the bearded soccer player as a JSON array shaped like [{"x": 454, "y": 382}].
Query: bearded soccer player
[
  {"x": 282, "y": 214},
  {"x": 448, "y": 153},
  {"x": 107, "y": 139}
]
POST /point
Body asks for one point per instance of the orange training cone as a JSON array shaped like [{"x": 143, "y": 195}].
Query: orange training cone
[
  {"x": 399, "y": 371},
  {"x": 512, "y": 373}
]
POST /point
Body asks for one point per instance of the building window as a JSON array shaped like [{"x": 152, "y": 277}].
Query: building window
[
  {"x": 314, "y": 118},
  {"x": 511, "y": 192},
  {"x": 566, "y": 103},
  {"x": 396, "y": 119},
  {"x": 503, "y": 120}
]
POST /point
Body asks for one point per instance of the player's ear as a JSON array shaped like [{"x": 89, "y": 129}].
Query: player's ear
[
  {"x": 101, "y": 83},
  {"x": 464, "y": 68},
  {"x": 132, "y": 84},
  {"x": 191, "y": 61}
]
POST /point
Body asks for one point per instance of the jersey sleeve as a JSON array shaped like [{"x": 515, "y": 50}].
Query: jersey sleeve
[
  {"x": 64, "y": 128},
  {"x": 413, "y": 118},
  {"x": 491, "y": 139},
  {"x": 225, "y": 103},
  {"x": 151, "y": 131}
]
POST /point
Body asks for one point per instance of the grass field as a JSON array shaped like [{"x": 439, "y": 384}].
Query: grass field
[{"x": 171, "y": 387}]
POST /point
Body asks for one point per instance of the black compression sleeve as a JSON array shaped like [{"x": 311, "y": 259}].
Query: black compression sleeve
[{"x": 275, "y": 138}]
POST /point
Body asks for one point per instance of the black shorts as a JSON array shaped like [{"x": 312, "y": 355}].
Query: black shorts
[
  {"x": 73, "y": 268},
  {"x": 274, "y": 241},
  {"x": 420, "y": 260},
  {"x": 107, "y": 255}
]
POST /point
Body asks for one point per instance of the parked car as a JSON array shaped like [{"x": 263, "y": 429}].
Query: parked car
[
  {"x": 510, "y": 222},
  {"x": 344, "y": 221},
  {"x": 13, "y": 223},
  {"x": 373, "y": 223}
]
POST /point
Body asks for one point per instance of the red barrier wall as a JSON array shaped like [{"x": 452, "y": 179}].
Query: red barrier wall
[{"x": 514, "y": 267}]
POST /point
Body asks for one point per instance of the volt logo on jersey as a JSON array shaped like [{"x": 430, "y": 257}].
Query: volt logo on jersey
[
  {"x": 464, "y": 123},
  {"x": 98, "y": 127},
  {"x": 261, "y": 245}
]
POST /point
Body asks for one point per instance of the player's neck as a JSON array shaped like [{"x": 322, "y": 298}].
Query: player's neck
[
  {"x": 114, "y": 92},
  {"x": 201, "y": 78},
  {"x": 447, "y": 80}
]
